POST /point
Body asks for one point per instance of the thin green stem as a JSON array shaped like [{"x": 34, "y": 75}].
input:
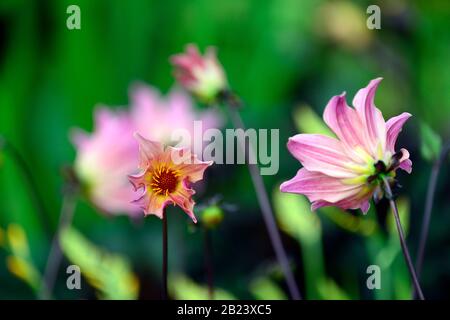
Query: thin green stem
[
  {"x": 165, "y": 256},
  {"x": 415, "y": 281},
  {"x": 55, "y": 255},
  {"x": 233, "y": 103},
  {"x": 209, "y": 262},
  {"x": 429, "y": 207}
]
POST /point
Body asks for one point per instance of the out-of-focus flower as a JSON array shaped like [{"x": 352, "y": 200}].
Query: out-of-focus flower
[
  {"x": 203, "y": 76},
  {"x": 166, "y": 177},
  {"x": 347, "y": 171},
  {"x": 105, "y": 158},
  {"x": 157, "y": 118},
  {"x": 343, "y": 23}
]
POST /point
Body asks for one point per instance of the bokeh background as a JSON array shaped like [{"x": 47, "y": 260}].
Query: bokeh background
[{"x": 285, "y": 58}]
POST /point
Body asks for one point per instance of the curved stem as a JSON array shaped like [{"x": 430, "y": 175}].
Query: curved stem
[
  {"x": 55, "y": 255},
  {"x": 27, "y": 173},
  {"x": 388, "y": 193},
  {"x": 209, "y": 263},
  {"x": 429, "y": 207},
  {"x": 164, "y": 259},
  {"x": 264, "y": 204}
]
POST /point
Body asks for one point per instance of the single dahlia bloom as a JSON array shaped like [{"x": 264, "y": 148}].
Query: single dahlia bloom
[
  {"x": 105, "y": 158},
  {"x": 348, "y": 170},
  {"x": 166, "y": 176},
  {"x": 156, "y": 117},
  {"x": 203, "y": 76}
]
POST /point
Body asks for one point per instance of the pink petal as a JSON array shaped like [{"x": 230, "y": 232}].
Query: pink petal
[
  {"x": 320, "y": 153},
  {"x": 405, "y": 162},
  {"x": 394, "y": 127},
  {"x": 152, "y": 204},
  {"x": 346, "y": 124},
  {"x": 183, "y": 198},
  {"x": 147, "y": 150},
  {"x": 345, "y": 204},
  {"x": 317, "y": 186},
  {"x": 375, "y": 129}
]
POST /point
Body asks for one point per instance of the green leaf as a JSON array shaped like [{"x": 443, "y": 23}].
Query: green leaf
[
  {"x": 109, "y": 273},
  {"x": 183, "y": 288},
  {"x": 431, "y": 142},
  {"x": 263, "y": 288},
  {"x": 307, "y": 121}
]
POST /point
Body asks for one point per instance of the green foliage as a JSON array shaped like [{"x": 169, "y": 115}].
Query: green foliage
[
  {"x": 19, "y": 261},
  {"x": 430, "y": 144},
  {"x": 183, "y": 288},
  {"x": 109, "y": 273},
  {"x": 307, "y": 121},
  {"x": 263, "y": 288}
]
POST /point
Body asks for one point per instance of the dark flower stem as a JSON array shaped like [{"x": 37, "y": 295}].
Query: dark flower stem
[
  {"x": 209, "y": 262},
  {"x": 388, "y": 193},
  {"x": 55, "y": 255},
  {"x": 233, "y": 104},
  {"x": 429, "y": 207},
  {"x": 27, "y": 173},
  {"x": 164, "y": 258}
]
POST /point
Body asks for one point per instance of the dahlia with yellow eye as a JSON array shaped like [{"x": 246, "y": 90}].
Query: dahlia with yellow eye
[
  {"x": 348, "y": 170},
  {"x": 166, "y": 177}
]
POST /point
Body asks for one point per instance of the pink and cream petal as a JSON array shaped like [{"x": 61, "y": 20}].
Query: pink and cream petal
[
  {"x": 320, "y": 153},
  {"x": 148, "y": 150},
  {"x": 317, "y": 186},
  {"x": 394, "y": 127},
  {"x": 375, "y": 127}
]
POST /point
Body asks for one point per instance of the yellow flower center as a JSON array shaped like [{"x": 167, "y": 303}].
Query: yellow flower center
[{"x": 164, "y": 181}]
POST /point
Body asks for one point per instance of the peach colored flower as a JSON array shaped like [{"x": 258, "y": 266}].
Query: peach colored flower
[
  {"x": 346, "y": 172},
  {"x": 203, "y": 76},
  {"x": 166, "y": 177}
]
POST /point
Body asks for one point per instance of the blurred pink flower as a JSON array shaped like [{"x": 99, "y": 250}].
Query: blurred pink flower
[
  {"x": 165, "y": 181},
  {"x": 105, "y": 158},
  {"x": 203, "y": 76},
  {"x": 157, "y": 118},
  {"x": 345, "y": 172}
]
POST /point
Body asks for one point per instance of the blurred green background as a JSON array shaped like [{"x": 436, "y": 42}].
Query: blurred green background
[{"x": 278, "y": 55}]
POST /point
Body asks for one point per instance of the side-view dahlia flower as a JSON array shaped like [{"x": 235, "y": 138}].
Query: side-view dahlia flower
[
  {"x": 105, "y": 158},
  {"x": 203, "y": 75},
  {"x": 166, "y": 177},
  {"x": 348, "y": 170}
]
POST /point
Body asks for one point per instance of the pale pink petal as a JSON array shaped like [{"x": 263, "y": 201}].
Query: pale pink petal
[
  {"x": 346, "y": 124},
  {"x": 374, "y": 125},
  {"x": 394, "y": 127},
  {"x": 321, "y": 154},
  {"x": 317, "y": 186},
  {"x": 147, "y": 150},
  {"x": 152, "y": 204},
  {"x": 138, "y": 180},
  {"x": 405, "y": 162},
  {"x": 354, "y": 203},
  {"x": 190, "y": 167}
]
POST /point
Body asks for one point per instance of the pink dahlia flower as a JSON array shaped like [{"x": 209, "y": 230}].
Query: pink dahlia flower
[
  {"x": 165, "y": 181},
  {"x": 105, "y": 158},
  {"x": 203, "y": 76},
  {"x": 346, "y": 171}
]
